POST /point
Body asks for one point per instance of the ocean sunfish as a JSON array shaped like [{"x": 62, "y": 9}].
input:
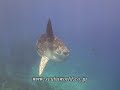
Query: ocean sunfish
[{"x": 50, "y": 47}]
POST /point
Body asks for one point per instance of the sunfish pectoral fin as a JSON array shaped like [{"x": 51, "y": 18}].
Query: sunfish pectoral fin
[{"x": 42, "y": 65}]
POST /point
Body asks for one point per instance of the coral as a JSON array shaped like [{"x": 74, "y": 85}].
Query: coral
[{"x": 10, "y": 83}]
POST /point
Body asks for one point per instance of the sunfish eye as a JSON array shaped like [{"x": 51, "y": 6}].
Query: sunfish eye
[{"x": 66, "y": 53}]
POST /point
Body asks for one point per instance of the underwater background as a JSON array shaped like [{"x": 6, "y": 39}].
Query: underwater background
[{"x": 91, "y": 29}]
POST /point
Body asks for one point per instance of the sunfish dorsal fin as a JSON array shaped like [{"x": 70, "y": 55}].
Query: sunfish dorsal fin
[
  {"x": 42, "y": 65},
  {"x": 49, "y": 30}
]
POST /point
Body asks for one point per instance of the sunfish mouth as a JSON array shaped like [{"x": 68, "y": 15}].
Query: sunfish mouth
[{"x": 50, "y": 47}]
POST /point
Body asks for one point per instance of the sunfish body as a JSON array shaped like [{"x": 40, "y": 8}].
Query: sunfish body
[{"x": 50, "y": 47}]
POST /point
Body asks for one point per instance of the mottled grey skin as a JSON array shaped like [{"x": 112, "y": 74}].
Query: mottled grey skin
[{"x": 51, "y": 46}]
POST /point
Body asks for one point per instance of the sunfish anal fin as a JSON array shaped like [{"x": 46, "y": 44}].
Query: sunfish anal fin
[{"x": 42, "y": 65}]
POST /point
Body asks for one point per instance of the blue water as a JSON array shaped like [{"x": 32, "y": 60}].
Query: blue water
[{"x": 90, "y": 28}]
